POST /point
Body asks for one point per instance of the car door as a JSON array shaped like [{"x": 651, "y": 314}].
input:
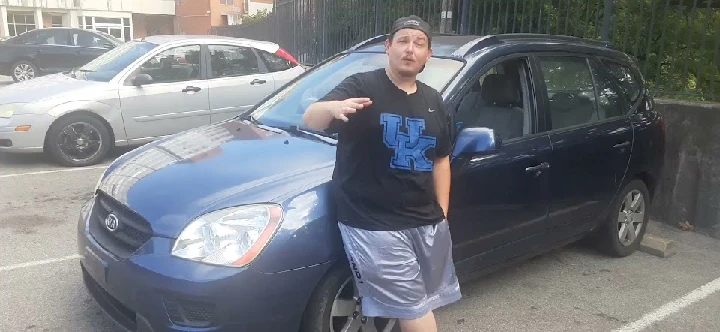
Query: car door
[
  {"x": 88, "y": 46},
  {"x": 238, "y": 80},
  {"x": 52, "y": 50},
  {"x": 501, "y": 198},
  {"x": 175, "y": 100},
  {"x": 283, "y": 71},
  {"x": 591, "y": 134}
]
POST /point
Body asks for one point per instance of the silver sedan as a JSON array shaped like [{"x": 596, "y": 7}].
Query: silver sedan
[{"x": 140, "y": 91}]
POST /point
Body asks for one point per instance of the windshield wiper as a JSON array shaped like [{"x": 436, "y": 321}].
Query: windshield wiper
[{"x": 314, "y": 135}]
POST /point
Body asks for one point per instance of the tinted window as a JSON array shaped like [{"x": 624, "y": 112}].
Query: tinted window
[
  {"x": 111, "y": 63},
  {"x": 274, "y": 62},
  {"x": 48, "y": 37},
  {"x": 629, "y": 82},
  {"x": 570, "y": 90},
  {"x": 286, "y": 107},
  {"x": 611, "y": 101},
  {"x": 176, "y": 64},
  {"x": 231, "y": 61},
  {"x": 86, "y": 39}
]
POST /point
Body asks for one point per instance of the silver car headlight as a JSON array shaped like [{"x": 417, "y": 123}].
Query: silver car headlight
[
  {"x": 7, "y": 110},
  {"x": 229, "y": 237}
]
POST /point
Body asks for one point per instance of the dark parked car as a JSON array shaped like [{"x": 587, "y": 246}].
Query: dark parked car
[
  {"x": 229, "y": 226},
  {"x": 51, "y": 50}
]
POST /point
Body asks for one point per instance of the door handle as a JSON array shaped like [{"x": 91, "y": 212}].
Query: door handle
[
  {"x": 257, "y": 81},
  {"x": 620, "y": 145},
  {"x": 537, "y": 168},
  {"x": 191, "y": 88}
]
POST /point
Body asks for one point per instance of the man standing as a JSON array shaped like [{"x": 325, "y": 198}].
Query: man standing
[{"x": 392, "y": 181}]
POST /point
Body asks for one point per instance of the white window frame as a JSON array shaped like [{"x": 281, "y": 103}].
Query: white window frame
[
  {"x": 11, "y": 22},
  {"x": 106, "y": 27}
]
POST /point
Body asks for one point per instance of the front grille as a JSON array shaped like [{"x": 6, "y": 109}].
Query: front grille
[
  {"x": 189, "y": 313},
  {"x": 131, "y": 233}
]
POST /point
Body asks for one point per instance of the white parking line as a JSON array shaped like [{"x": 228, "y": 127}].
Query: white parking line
[
  {"x": 672, "y": 307},
  {"x": 36, "y": 263},
  {"x": 52, "y": 171}
]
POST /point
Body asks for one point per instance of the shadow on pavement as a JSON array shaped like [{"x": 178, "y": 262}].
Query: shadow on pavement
[{"x": 36, "y": 159}]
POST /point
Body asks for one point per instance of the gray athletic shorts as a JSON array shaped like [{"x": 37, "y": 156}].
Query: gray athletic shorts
[{"x": 402, "y": 274}]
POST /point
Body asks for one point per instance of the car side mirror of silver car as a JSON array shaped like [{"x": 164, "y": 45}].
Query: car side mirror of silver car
[
  {"x": 142, "y": 79},
  {"x": 476, "y": 140}
]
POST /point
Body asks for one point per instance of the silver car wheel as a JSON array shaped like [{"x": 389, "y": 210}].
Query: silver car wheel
[
  {"x": 24, "y": 72},
  {"x": 346, "y": 315},
  {"x": 80, "y": 141},
  {"x": 631, "y": 217}
]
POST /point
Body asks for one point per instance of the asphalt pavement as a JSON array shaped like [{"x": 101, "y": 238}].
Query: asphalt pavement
[{"x": 571, "y": 289}]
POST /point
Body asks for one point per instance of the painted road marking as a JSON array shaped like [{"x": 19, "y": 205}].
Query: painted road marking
[
  {"x": 672, "y": 307},
  {"x": 36, "y": 263},
  {"x": 52, "y": 171}
]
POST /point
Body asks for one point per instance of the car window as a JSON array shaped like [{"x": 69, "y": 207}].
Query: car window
[
  {"x": 232, "y": 61},
  {"x": 570, "y": 90},
  {"x": 498, "y": 100},
  {"x": 176, "y": 64},
  {"x": 286, "y": 107},
  {"x": 610, "y": 99},
  {"x": 105, "y": 67},
  {"x": 273, "y": 62},
  {"x": 87, "y": 39},
  {"x": 48, "y": 37},
  {"x": 627, "y": 79}
]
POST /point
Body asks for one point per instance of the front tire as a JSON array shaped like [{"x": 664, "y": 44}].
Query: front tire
[
  {"x": 623, "y": 230},
  {"x": 333, "y": 308},
  {"x": 23, "y": 70},
  {"x": 78, "y": 140}
]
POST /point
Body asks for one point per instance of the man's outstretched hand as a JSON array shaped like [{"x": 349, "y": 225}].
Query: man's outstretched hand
[{"x": 349, "y": 106}]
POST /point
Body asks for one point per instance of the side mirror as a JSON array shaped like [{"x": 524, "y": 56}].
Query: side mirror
[
  {"x": 142, "y": 79},
  {"x": 476, "y": 141}
]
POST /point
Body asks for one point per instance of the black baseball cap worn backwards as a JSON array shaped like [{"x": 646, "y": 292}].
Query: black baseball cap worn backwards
[{"x": 410, "y": 22}]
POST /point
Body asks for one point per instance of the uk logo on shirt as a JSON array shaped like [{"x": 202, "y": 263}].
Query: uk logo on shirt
[{"x": 410, "y": 146}]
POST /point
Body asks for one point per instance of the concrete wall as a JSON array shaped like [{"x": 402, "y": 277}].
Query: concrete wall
[
  {"x": 166, "y": 7},
  {"x": 689, "y": 189}
]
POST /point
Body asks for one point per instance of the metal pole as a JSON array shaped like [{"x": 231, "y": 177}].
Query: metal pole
[
  {"x": 465, "y": 17},
  {"x": 446, "y": 16},
  {"x": 378, "y": 16},
  {"x": 606, "y": 20}
]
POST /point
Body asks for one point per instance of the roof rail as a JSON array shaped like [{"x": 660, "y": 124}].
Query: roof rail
[
  {"x": 475, "y": 45},
  {"x": 369, "y": 41},
  {"x": 516, "y": 36}
]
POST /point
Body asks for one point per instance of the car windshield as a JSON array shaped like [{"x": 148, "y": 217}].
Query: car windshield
[
  {"x": 286, "y": 108},
  {"x": 108, "y": 65}
]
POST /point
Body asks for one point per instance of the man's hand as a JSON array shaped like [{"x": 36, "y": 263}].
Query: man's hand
[
  {"x": 349, "y": 106},
  {"x": 319, "y": 115}
]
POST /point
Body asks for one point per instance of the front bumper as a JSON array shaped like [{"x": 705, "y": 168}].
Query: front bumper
[
  {"x": 154, "y": 291},
  {"x": 32, "y": 140}
]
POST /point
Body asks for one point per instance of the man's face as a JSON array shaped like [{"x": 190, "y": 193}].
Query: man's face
[{"x": 408, "y": 51}]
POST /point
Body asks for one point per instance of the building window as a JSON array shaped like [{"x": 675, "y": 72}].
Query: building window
[
  {"x": 227, "y": 2},
  {"x": 56, "y": 21},
  {"x": 19, "y": 23},
  {"x": 114, "y": 26}
]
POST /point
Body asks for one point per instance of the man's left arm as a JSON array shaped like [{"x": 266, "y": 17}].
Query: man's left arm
[{"x": 441, "y": 171}]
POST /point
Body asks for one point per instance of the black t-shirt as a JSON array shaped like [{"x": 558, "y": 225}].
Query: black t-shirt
[{"x": 383, "y": 178}]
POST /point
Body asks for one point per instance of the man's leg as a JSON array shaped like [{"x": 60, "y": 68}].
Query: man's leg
[{"x": 423, "y": 324}]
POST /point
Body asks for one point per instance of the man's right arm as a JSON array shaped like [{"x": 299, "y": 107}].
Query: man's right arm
[{"x": 330, "y": 111}]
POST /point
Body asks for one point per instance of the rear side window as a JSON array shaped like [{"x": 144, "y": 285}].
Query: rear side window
[
  {"x": 628, "y": 80},
  {"x": 273, "y": 62},
  {"x": 570, "y": 90}
]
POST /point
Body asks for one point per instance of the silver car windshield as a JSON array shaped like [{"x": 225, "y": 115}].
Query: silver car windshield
[
  {"x": 111, "y": 63},
  {"x": 286, "y": 108}
]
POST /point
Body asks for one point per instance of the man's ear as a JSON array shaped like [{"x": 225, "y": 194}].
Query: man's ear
[{"x": 387, "y": 45}]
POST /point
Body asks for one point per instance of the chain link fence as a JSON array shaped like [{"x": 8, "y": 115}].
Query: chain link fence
[{"x": 676, "y": 42}]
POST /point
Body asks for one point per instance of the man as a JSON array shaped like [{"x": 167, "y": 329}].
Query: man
[{"x": 392, "y": 181}]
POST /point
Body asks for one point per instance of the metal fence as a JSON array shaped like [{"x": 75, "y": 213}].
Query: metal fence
[{"x": 676, "y": 42}]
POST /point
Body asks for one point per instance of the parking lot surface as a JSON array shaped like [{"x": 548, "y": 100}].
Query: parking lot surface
[{"x": 571, "y": 289}]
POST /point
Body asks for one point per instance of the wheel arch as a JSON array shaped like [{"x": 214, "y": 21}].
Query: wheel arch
[
  {"x": 83, "y": 112},
  {"x": 650, "y": 182}
]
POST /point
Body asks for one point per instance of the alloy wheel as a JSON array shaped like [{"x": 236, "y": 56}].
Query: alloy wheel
[
  {"x": 24, "y": 72},
  {"x": 346, "y": 315},
  {"x": 80, "y": 141},
  {"x": 631, "y": 217}
]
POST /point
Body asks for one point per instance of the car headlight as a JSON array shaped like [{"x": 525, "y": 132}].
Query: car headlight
[
  {"x": 229, "y": 237},
  {"x": 7, "y": 110}
]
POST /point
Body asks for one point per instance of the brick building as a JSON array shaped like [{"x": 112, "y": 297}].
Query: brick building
[{"x": 200, "y": 16}]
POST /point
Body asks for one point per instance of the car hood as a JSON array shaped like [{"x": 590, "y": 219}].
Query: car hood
[
  {"x": 174, "y": 180},
  {"x": 46, "y": 87}
]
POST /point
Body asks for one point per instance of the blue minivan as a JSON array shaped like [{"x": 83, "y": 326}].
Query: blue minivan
[{"x": 228, "y": 227}]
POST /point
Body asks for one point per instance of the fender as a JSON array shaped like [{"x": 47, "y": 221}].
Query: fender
[{"x": 108, "y": 112}]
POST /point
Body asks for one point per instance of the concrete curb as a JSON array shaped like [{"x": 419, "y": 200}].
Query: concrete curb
[{"x": 658, "y": 246}]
